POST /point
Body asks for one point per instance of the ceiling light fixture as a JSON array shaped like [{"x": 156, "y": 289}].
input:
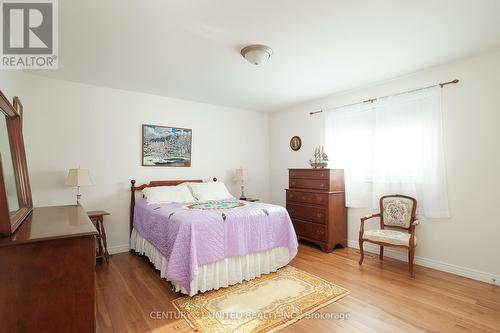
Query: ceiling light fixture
[{"x": 256, "y": 54}]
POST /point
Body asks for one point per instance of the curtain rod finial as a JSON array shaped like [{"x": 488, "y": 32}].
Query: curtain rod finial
[
  {"x": 314, "y": 112},
  {"x": 449, "y": 82}
]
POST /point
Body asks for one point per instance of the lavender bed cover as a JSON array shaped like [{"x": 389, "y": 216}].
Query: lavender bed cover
[{"x": 192, "y": 238}]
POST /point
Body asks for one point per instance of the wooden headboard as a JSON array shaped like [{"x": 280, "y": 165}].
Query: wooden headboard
[{"x": 155, "y": 183}]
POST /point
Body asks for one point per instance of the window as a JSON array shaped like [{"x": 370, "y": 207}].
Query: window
[{"x": 391, "y": 146}]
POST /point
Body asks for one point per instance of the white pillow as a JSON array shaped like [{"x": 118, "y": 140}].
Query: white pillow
[
  {"x": 168, "y": 194},
  {"x": 210, "y": 191}
]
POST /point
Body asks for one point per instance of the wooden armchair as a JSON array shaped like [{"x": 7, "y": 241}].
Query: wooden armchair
[{"x": 396, "y": 211}]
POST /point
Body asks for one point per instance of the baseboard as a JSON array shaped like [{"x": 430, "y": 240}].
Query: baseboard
[
  {"x": 118, "y": 249},
  {"x": 430, "y": 263}
]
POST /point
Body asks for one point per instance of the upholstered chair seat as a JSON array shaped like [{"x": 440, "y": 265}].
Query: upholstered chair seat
[{"x": 388, "y": 236}]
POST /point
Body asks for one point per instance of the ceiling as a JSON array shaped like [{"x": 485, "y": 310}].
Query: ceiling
[{"x": 189, "y": 49}]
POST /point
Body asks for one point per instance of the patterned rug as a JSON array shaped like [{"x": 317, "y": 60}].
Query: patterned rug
[{"x": 265, "y": 304}]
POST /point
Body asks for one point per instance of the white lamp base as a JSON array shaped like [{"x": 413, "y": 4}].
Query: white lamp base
[
  {"x": 242, "y": 196},
  {"x": 78, "y": 195}
]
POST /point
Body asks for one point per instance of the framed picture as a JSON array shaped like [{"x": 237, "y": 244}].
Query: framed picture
[
  {"x": 295, "y": 143},
  {"x": 166, "y": 146}
]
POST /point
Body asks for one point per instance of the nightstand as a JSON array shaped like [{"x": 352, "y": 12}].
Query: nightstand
[
  {"x": 250, "y": 199},
  {"x": 97, "y": 217}
]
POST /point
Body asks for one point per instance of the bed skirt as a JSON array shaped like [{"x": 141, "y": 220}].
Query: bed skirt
[{"x": 221, "y": 273}]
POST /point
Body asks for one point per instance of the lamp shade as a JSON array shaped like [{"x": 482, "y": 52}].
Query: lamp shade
[
  {"x": 78, "y": 177},
  {"x": 240, "y": 175}
]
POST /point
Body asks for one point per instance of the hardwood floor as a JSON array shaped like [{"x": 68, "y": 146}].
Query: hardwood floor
[{"x": 383, "y": 298}]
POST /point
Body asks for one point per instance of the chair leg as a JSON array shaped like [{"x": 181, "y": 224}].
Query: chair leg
[
  {"x": 361, "y": 251},
  {"x": 411, "y": 256},
  {"x": 381, "y": 256}
]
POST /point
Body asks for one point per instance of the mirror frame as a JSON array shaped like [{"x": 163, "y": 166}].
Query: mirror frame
[{"x": 10, "y": 221}]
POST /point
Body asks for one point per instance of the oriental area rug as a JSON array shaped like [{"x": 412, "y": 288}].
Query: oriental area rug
[{"x": 265, "y": 304}]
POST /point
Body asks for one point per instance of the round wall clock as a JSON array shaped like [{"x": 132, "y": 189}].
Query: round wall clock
[{"x": 295, "y": 143}]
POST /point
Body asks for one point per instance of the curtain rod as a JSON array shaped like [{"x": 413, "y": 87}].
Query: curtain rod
[{"x": 396, "y": 94}]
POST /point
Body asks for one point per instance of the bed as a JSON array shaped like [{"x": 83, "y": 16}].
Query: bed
[{"x": 199, "y": 246}]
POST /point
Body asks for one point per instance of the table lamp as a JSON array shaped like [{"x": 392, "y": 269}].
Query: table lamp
[
  {"x": 240, "y": 175},
  {"x": 78, "y": 177}
]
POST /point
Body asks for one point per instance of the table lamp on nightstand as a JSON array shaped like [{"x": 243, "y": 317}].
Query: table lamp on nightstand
[
  {"x": 77, "y": 178},
  {"x": 240, "y": 175}
]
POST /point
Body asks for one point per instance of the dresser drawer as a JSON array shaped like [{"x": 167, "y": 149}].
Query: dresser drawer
[
  {"x": 307, "y": 197},
  {"x": 309, "y": 174},
  {"x": 310, "y": 230},
  {"x": 315, "y": 184},
  {"x": 307, "y": 213}
]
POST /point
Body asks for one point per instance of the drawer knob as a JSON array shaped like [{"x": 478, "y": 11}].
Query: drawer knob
[
  {"x": 320, "y": 198},
  {"x": 293, "y": 183},
  {"x": 290, "y": 195},
  {"x": 322, "y": 185}
]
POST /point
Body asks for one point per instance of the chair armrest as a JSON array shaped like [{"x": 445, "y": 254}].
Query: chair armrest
[
  {"x": 363, "y": 219},
  {"x": 412, "y": 228},
  {"x": 367, "y": 217}
]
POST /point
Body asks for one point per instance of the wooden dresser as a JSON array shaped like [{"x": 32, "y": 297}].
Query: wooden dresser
[
  {"x": 315, "y": 201},
  {"x": 47, "y": 273}
]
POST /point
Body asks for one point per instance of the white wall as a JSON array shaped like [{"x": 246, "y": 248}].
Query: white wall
[
  {"x": 471, "y": 109},
  {"x": 69, "y": 124}
]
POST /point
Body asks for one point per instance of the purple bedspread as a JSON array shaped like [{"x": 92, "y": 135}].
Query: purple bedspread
[{"x": 192, "y": 238}]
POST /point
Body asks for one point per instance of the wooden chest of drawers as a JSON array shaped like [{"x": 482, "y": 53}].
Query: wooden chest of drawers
[
  {"x": 47, "y": 273},
  {"x": 315, "y": 201}
]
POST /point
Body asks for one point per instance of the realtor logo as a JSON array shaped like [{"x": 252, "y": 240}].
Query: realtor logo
[{"x": 29, "y": 34}]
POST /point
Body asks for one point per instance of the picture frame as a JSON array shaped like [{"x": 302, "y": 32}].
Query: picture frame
[
  {"x": 295, "y": 143},
  {"x": 12, "y": 217},
  {"x": 166, "y": 146}
]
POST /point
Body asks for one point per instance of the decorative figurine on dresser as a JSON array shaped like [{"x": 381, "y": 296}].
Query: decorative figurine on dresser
[{"x": 315, "y": 201}]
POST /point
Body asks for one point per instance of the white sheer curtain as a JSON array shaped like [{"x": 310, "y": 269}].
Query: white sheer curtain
[{"x": 391, "y": 146}]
